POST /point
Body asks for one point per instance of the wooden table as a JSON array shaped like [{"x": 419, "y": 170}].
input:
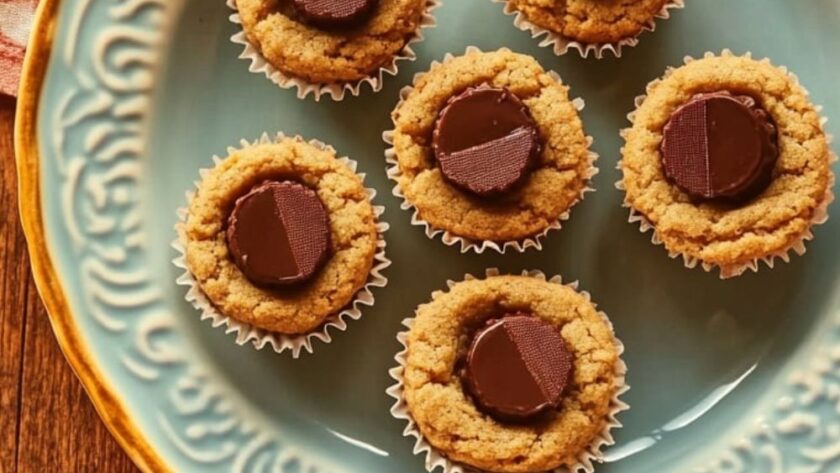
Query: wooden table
[{"x": 47, "y": 423}]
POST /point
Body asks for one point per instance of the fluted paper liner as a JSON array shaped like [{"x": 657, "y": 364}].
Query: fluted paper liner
[
  {"x": 466, "y": 244},
  {"x": 337, "y": 90},
  {"x": 435, "y": 459},
  {"x": 561, "y": 44},
  {"x": 819, "y": 216},
  {"x": 260, "y": 338}
]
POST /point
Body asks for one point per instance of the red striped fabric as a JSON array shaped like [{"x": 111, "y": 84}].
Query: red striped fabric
[{"x": 15, "y": 22}]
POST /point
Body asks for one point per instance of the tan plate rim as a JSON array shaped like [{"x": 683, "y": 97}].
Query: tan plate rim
[{"x": 111, "y": 408}]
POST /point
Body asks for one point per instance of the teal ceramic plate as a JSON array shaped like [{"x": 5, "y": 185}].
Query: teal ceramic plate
[{"x": 727, "y": 376}]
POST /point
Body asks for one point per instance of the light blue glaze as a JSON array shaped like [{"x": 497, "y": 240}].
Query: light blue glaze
[{"x": 689, "y": 336}]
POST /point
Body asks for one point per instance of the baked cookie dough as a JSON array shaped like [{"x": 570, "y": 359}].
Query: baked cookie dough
[
  {"x": 591, "y": 21},
  {"x": 288, "y": 309},
  {"x": 321, "y": 55},
  {"x": 555, "y": 181},
  {"x": 440, "y": 401},
  {"x": 731, "y": 235}
]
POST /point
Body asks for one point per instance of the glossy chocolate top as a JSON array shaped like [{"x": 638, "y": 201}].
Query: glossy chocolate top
[
  {"x": 278, "y": 234},
  {"x": 720, "y": 146},
  {"x": 517, "y": 367},
  {"x": 334, "y": 13},
  {"x": 485, "y": 141}
]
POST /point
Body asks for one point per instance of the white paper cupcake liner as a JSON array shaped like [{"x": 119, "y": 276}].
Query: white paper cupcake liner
[
  {"x": 258, "y": 337},
  {"x": 337, "y": 90},
  {"x": 561, "y": 45},
  {"x": 466, "y": 244},
  {"x": 435, "y": 459},
  {"x": 819, "y": 217}
]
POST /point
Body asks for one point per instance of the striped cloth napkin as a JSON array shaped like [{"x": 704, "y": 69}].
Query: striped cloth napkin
[{"x": 15, "y": 22}]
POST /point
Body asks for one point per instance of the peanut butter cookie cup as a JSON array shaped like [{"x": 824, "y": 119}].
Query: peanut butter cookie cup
[
  {"x": 489, "y": 151},
  {"x": 588, "y": 26},
  {"x": 329, "y": 47},
  {"x": 728, "y": 163},
  {"x": 281, "y": 243},
  {"x": 511, "y": 373}
]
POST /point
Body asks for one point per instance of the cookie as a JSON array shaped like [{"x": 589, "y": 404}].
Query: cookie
[
  {"x": 517, "y": 168},
  {"x": 727, "y": 188},
  {"x": 319, "y": 43},
  {"x": 589, "y": 25},
  {"x": 281, "y": 236},
  {"x": 551, "y": 399}
]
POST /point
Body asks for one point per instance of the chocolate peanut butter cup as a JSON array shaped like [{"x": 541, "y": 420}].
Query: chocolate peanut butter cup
[
  {"x": 334, "y": 13},
  {"x": 517, "y": 367},
  {"x": 279, "y": 234},
  {"x": 485, "y": 141},
  {"x": 720, "y": 146}
]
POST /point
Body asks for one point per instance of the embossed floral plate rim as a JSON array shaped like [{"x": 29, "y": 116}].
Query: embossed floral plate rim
[{"x": 108, "y": 405}]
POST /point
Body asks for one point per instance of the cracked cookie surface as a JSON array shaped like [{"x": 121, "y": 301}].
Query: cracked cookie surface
[
  {"x": 591, "y": 21},
  {"x": 328, "y": 56},
  {"x": 553, "y": 186},
  {"x": 298, "y": 309},
  {"x": 719, "y": 234},
  {"x": 446, "y": 415}
]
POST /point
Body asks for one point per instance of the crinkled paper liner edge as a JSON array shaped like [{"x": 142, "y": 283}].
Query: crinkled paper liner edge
[
  {"x": 466, "y": 244},
  {"x": 435, "y": 459},
  {"x": 819, "y": 217},
  {"x": 258, "y": 337},
  {"x": 336, "y": 91},
  {"x": 561, "y": 45}
]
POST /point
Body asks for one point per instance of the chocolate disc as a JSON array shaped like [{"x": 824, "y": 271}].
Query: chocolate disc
[
  {"x": 485, "y": 141},
  {"x": 517, "y": 367},
  {"x": 279, "y": 233},
  {"x": 334, "y": 12},
  {"x": 720, "y": 146}
]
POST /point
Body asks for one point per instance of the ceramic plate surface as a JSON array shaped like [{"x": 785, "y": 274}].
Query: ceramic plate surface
[{"x": 727, "y": 376}]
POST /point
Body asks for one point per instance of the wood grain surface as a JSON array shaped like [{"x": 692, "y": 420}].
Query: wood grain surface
[{"x": 47, "y": 423}]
